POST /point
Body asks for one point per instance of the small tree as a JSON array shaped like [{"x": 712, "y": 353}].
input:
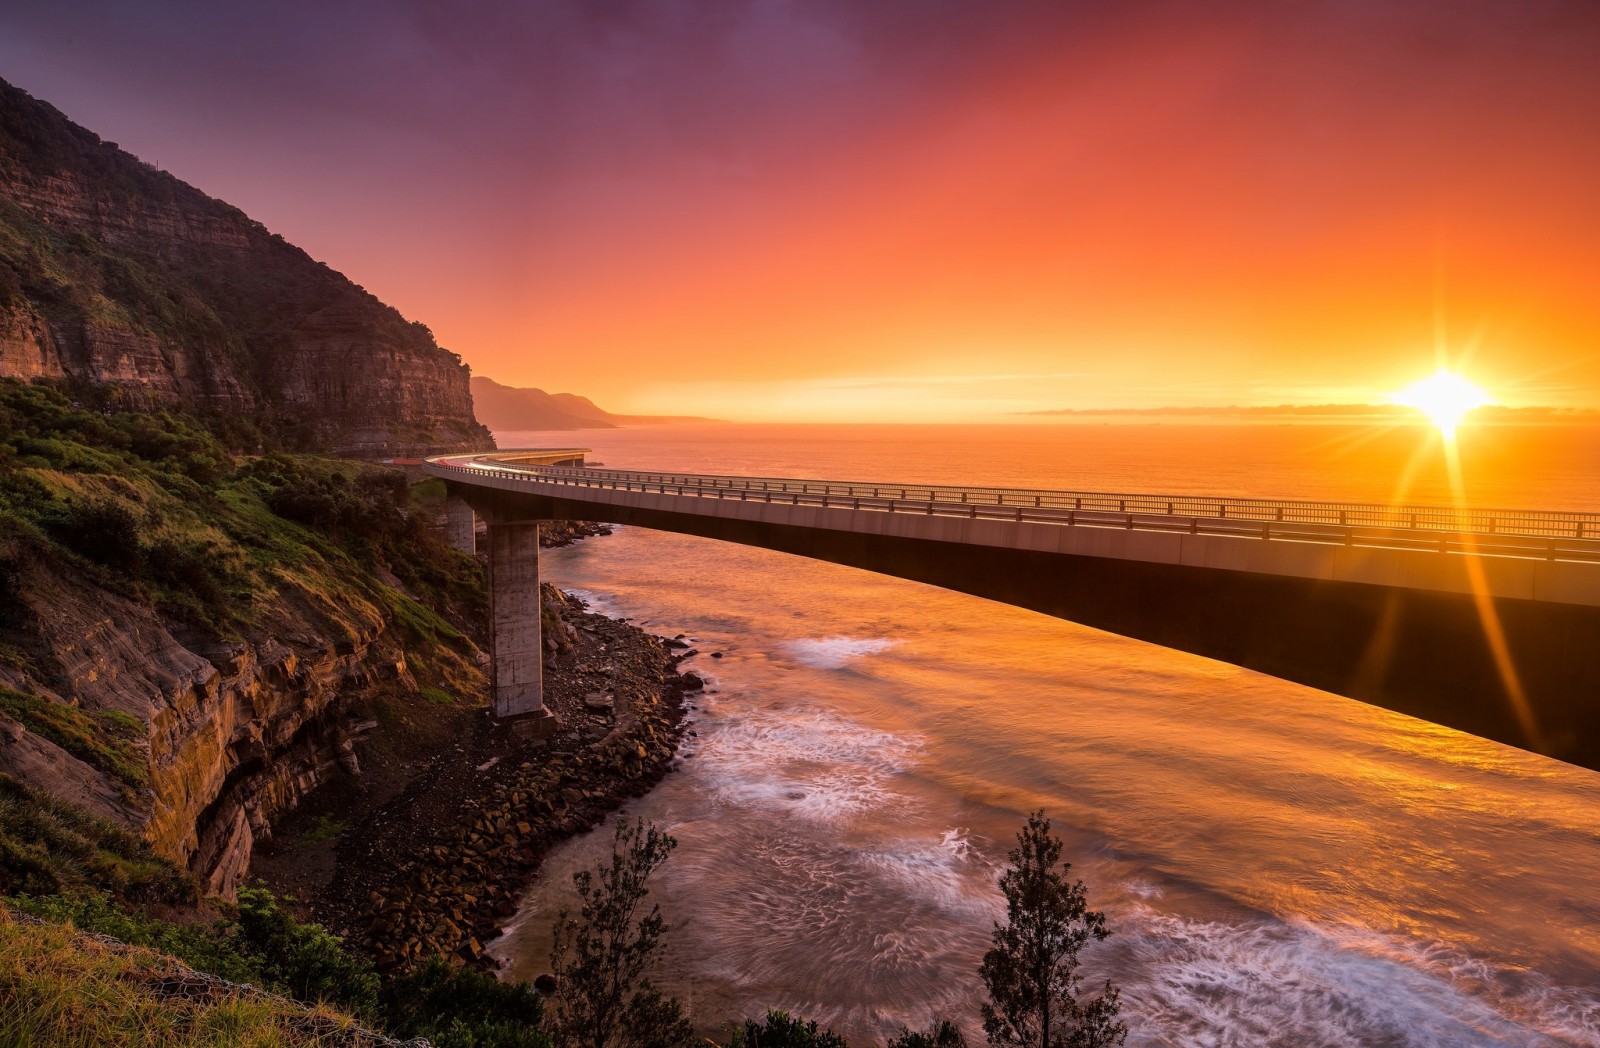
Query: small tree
[
  {"x": 942, "y": 1033},
  {"x": 1032, "y": 972},
  {"x": 603, "y": 998}
]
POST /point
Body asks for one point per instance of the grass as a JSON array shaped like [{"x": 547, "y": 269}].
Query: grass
[
  {"x": 438, "y": 697},
  {"x": 67, "y": 990},
  {"x": 110, "y": 740},
  {"x": 160, "y": 508},
  {"x": 325, "y": 828},
  {"x": 47, "y": 846}
]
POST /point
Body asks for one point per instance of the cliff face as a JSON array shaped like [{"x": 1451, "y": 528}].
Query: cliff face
[
  {"x": 507, "y": 408},
  {"x": 115, "y": 274},
  {"x": 191, "y": 639},
  {"x": 230, "y": 736}
]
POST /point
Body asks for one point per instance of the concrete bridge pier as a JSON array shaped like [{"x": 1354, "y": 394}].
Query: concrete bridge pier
[
  {"x": 516, "y": 644},
  {"x": 461, "y": 524}
]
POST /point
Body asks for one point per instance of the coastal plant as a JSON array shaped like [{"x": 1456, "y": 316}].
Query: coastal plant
[
  {"x": 462, "y": 1008},
  {"x": 782, "y": 1030},
  {"x": 604, "y": 997},
  {"x": 942, "y": 1033},
  {"x": 1031, "y": 973},
  {"x": 305, "y": 961}
]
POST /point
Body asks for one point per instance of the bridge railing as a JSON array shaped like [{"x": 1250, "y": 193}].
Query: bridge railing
[{"x": 1553, "y": 534}]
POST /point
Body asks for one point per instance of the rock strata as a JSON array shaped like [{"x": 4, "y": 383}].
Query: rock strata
[
  {"x": 116, "y": 275},
  {"x": 440, "y": 868}
]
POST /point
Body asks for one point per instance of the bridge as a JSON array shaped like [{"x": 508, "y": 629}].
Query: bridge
[{"x": 1487, "y": 621}]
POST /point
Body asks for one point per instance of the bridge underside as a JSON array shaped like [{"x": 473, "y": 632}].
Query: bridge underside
[{"x": 1418, "y": 652}]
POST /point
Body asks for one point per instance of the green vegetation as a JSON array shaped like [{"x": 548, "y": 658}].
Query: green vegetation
[
  {"x": 176, "y": 512},
  {"x": 100, "y": 880},
  {"x": 70, "y": 992},
  {"x": 109, "y": 740},
  {"x": 781, "y": 1030},
  {"x": 1035, "y": 992},
  {"x": 230, "y": 292},
  {"x": 49, "y": 847},
  {"x": 325, "y": 828},
  {"x": 604, "y": 998}
]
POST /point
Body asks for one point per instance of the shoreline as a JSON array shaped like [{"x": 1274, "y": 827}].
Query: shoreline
[{"x": 433, "y": 846}]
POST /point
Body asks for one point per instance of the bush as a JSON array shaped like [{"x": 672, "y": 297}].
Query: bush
[
  {"x": 104, "y": 530},
  {"x": 305, "y": 961},
  {"x": 462, "y": 1008},
  {"x": 604, "y": 998},
  {"x": 942, "y": 1034},
  {"x": 781, "y": 1030},
  {"x": 185, "y": 566}
]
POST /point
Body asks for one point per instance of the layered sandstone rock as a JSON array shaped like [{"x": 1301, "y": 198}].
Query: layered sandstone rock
[
  {"x": 231, "y": 736},
  {"x": 118, "y": 275}
]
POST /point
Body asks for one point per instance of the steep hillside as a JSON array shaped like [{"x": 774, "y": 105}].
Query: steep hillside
[
  {"x": 505, "y": 408},
  {"x": 115, "y": 274},
  {"x": 191, "y": 639},
  {"x": 508, "y": 408}
]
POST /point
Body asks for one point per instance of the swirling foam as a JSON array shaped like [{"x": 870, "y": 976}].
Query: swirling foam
[
  {"x": 1214, "y": 983},
  {"x": 833, "y": 653},
  {"x": 809, "y": 764}
]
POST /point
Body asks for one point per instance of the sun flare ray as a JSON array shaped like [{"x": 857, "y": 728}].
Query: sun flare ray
[{"x": 1445, "y": 398}]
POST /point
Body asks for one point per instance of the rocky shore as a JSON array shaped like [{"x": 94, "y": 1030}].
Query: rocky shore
[{"x": 431, "y": 850}]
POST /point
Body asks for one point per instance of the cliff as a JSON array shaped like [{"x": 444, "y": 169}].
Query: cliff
[
  {"x": 504, "y": 408},
  {"x": 114, "y": 274},
  {"x": 191, "y": 639},
  {"x": 509, "y": 408}
]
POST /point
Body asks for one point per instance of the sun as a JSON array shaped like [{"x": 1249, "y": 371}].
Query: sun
[{"x": 1445, "y": 397}]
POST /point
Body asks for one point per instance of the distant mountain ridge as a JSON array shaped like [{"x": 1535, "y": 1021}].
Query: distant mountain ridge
[
  {"x": 117, "y": 275},
  {"x": 509, "y": 408}
]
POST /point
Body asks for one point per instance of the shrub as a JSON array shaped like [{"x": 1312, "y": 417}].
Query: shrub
[
  {"x": 306, "y": 961},
  {"x": 781, "y": 1030},
  {"x": 942, "y": 1034},
  {"x": 104, "y": 530},
  {"x": 462, "y": 1008},
  {"x": 186, "y": 566},
  {"x": 604, "y": 998}
]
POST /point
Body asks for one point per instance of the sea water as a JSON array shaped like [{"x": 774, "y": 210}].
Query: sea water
[{"x": 1278, "y": 865}]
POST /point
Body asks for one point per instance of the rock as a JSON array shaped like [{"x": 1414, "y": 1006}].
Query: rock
[
  {"x": 716, "y": 654},
  {"x": 545, "y": 984},
  {"x": 693, "y": 681}
]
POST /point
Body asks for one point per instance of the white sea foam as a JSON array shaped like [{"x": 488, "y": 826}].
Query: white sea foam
[
  {"x": 950, "y": 873},
  {"x": 833, "y": 653},
  {"x": 1215, "y": 983},
  {"x": 598, "y": 603},
  {"x": 807, "y": 763}
]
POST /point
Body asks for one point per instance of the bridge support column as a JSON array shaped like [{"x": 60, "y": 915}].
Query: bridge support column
[
  {"x": 461, "y": 524},
  {"x": 516, "y": 648}
]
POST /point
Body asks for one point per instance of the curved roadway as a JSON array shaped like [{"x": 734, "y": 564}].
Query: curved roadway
[{"x": 1483, "y": 620}]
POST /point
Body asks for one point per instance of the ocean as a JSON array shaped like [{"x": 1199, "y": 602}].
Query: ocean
[{"x": 1279, "y": 866}]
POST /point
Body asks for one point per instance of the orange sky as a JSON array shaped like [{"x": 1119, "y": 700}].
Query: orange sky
[{"x": 924, "y": 211}]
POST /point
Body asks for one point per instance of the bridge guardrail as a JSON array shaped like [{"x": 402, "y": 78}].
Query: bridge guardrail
[{"x": 1496, "y": 532}]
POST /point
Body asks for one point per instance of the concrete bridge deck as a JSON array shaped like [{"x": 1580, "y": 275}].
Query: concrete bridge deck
[{"x": 1484, "y": 620}]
